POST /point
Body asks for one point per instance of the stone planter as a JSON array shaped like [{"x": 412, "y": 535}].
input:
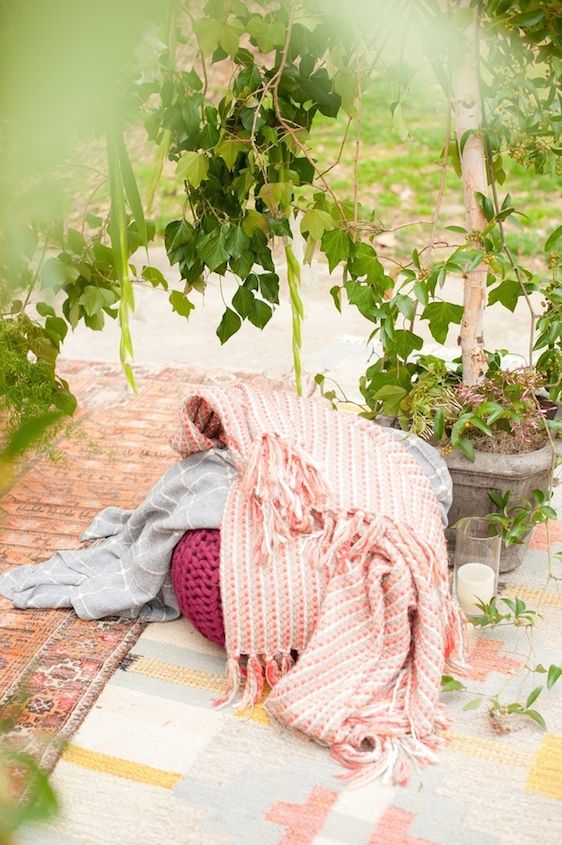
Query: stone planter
[{"x": 521, "y": 474}]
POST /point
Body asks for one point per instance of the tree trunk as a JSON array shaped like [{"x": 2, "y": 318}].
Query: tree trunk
[{"x": 468, "y": 113}]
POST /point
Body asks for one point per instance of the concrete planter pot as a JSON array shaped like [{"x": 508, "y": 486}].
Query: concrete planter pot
[{"x": 521, "y": 474}]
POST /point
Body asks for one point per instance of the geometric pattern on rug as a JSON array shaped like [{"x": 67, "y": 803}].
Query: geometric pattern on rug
[{"x": 154, "y": 762}]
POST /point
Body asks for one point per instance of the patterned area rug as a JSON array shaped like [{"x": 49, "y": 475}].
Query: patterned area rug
[
  {"x": 52, "y": 665},
  {"x": 154, "y": 762}
]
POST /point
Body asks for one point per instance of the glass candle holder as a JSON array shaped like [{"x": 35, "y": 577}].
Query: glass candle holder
[{"x": 477, "y": 562}]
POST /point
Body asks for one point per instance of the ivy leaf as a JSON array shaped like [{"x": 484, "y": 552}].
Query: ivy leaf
[
  {"x": 508, "y": 293},
  {"x": 229, "y": 325},
  {"x": 76, "y": 241},
  {"x": 336, "y": 245},
  {"x": 269, "y": 287},
  {"x": 266, "y": 34},
  {"x": 193, "y": 167},
  {"x": 179, "y": 233},
  {"x": 95, "y": 299},
  {"x": 55, "y": 275},
  {"x": 154, "y": 276},
  {"x": 211, "y": 249},
  {"x": 242, "y": 265},
  {"x": 405, "y": 342},
  {"x": 391, "y": 395},
  {"x": 228, "y": 150},
  {"x": 276, "y": 196},
  {"x": 237, "y": 242},
  {"x": 316, "y": 222},
  {"x": 366, "y": 263},
  {"x": 208, "y": 31},
  {"x": 440, "y": 315},
  {"x": 554, "y": 673},
  {"x": 244, "y": 302},
  {"x": 180, "y": 303},
  {"x": 261, "y": 315}
]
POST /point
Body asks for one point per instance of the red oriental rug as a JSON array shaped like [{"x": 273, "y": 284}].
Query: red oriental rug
[{"x": 53, "y": 665}]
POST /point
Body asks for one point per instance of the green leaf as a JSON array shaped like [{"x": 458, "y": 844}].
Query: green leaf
[
  {"x": 276, "y": 196},
  {"x": 211, "y": 249},
  {"x": 180, "y": 303},
  {"x": 366, "y": 263},
  {"x": 553, "y": 238},
  {"x": 237, "y": 242},
  {"x": 55, "y": 275},
  {"x": 391, "y": 395},
  {"x": 45, "y": 310},
  {"x": 229, "y": 325},
  {"x": 316, "y": 222},
  {"x": 440, "y": 315},
  {"x": 155, "y": 277},
  {"x": 335, "y": 293},
  {"x": 485, "y": 204},
  {"x": 242, "y": 265},
  {"x": 193, "y": 167},
  {"x": 554, "y": 673},
  {"x": 405, "y": 341},
  {"x": 508, "y": 293},
  {"x": 261, "y": 315},
  {"x": 95, "y": 299},
  {"x": 532, "y": 697},
  {"x": 267, "y": 34},
  {"x": 76, "y": 241},
  {"x": 466, "y": 448},
  {"x": 528, "y": 19},
  {"x": 131, "y": 188},
  {"x": 336, "y": 245},
  {"x": 269, "y": 287},
  {"x": 208, "y": 31},
  {"x": 439, "y": 424},
  {"x": 450, "y": 684},
  {"x": 244, "y": 301},
  {"x": 56, "y": 328},
  {"x": 536, "y": 717},
  {"x": 228, "y": 150},
  {"x": 472, "y": 705}
]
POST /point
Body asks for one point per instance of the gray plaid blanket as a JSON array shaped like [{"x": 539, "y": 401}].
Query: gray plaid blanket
[{"x": 127, "y": 572}]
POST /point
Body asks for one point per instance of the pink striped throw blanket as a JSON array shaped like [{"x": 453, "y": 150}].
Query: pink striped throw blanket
[{"x": 331, "y": 545}]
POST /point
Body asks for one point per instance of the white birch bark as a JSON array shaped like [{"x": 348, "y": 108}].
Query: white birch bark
[{"x": 468, "y": 114}]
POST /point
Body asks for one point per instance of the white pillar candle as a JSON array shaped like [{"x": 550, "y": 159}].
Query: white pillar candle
[{"x": 474, "y": 581}]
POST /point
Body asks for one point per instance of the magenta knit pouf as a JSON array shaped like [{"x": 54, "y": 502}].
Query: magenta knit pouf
[{"x": 196, "y": 581}]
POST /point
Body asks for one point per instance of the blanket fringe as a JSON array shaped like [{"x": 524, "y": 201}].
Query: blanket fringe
[
  {"x": 287, "y": 488},
  {"x": 390, "y": 758},
  {"x": 233, "y": 681}
]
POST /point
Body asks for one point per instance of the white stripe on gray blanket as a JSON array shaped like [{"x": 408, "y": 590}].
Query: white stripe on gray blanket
[{"x": 128, "y": 574}]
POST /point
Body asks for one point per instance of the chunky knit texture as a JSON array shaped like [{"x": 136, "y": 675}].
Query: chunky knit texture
[
  {"x": 195, "y": 579},
  {"x": 332, "y": 545}
]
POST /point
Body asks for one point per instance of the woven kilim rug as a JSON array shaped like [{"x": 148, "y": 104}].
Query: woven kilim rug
[
  {"x": 52, "y": 665},
  {"x": 154, "y": 762}
]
